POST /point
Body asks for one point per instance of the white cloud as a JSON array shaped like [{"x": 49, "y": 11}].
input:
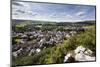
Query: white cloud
[
  {"x": 81, "y": 13},
  {"x": 26, "y": 12},
  {"x": 21, "y": 11},
  {"x": 38, "y": 11}
]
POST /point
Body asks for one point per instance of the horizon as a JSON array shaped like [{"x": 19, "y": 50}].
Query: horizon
[
  {"x": 52, "y": 12},
  {"x": 52, "y": 21}
]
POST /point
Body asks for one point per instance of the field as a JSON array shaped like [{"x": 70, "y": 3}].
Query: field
[{"x": 43, "y": 42}]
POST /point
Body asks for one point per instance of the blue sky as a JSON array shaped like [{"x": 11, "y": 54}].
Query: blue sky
[{"x": 52, "y": 12}]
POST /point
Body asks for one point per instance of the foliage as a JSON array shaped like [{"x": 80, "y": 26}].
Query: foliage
[{"x": 56, "y": 53}]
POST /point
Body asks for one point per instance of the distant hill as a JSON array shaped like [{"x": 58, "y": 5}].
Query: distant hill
[{"x": 14, "y": 22}]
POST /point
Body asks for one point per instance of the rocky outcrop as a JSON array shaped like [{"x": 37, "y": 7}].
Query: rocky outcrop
[{"x": 80, "y": 54}]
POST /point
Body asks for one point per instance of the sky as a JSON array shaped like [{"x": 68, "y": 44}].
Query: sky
[{"x": 52, "y": 12}]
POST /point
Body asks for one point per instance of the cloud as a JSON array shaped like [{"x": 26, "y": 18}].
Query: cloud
[
  {"x": 80, "y": 13},
  {"x": 48, "y": 12},
  {"x": 21, "y": 9},
  {"x": 16, "y": 3}
]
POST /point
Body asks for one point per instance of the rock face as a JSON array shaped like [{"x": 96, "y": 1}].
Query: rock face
[
  {"x": 81, "y": 54},
  {"x": 69, "y": 58}
]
